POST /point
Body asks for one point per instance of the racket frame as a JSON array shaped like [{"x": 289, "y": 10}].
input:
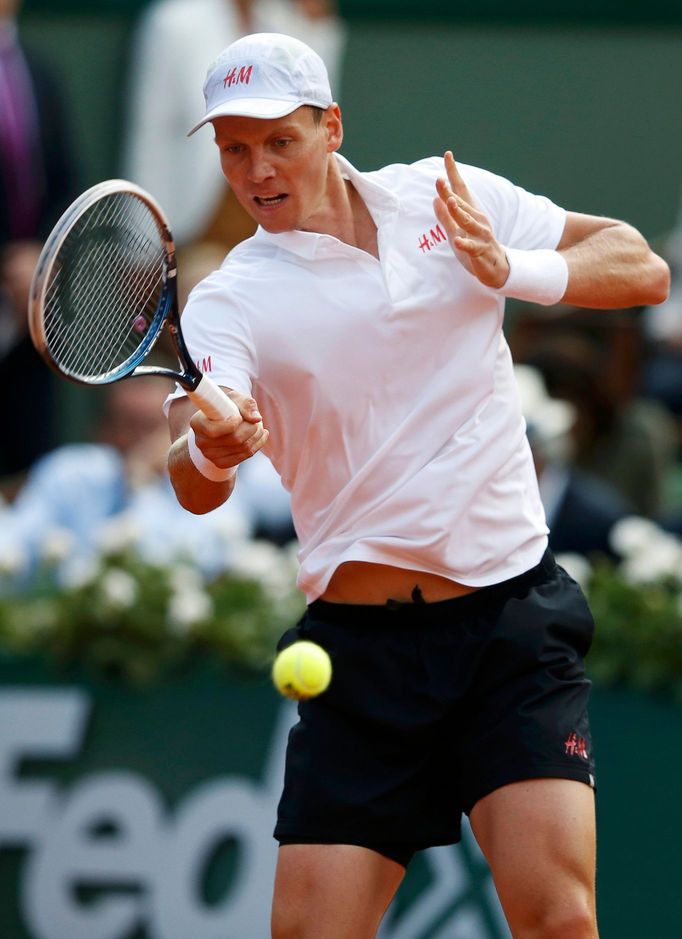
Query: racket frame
[
  {"x": 206, "y": 394},
  {"x": 166, "y": 306}
]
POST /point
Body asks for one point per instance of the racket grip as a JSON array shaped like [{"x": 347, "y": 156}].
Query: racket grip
[{"x": 212, "y": 400}]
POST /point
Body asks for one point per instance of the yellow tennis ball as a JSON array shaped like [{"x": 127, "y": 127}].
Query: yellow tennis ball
[{"x": 302, "y": 670}]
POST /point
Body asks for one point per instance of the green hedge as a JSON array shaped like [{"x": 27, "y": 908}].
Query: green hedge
[{"x": 123, "y": 615}]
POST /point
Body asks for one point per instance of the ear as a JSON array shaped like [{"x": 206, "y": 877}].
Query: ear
[{"x": 334, "y": 127}]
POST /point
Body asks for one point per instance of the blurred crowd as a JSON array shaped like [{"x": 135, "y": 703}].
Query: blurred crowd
[
  {"x": 74, "y": 491},
  {"x": 601, "y": 391}
]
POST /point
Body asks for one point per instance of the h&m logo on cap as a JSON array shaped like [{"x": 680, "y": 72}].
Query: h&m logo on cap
[{"x": 238, "y": 76}]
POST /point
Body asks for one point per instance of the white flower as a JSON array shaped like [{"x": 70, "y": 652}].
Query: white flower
[
  {"x": 649, "y": 553},
  {"x": 119, "y": 533},
  {"x": 185, "y": 577},
  {"x": 256, "y": 559},
  {"x": 266, "y": 564},
  {"x": 13, "y": 558},
  {"x": 229, "y": 524},
  {"x": 633, "y": 535},
  {"x": 119, "y": 588},
  {"x": 576, "y": 566},
  {"x": 78, "y": 571},
  {"x": 290, "y": 554},
  {"x": 57, "y": 545},
  {"x": 661, "y": 560},
  {"x": 187, "y": 607}
]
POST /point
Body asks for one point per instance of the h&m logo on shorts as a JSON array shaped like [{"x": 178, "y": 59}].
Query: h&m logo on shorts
[
  {"x": 238, "y": 76},
  {"x": 431, "y": 238},
  {"x": 576, "y": 746},
  {"x": 205, "y": 364}
]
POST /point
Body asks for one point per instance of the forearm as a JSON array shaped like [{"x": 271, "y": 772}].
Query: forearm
[
  {"x": 614, "y": 268},
  {"x": 193, "y": 491},
  {"x": 204, "y": 450}
]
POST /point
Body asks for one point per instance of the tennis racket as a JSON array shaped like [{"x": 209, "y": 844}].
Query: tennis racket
[{"x": 104, "y": 288}]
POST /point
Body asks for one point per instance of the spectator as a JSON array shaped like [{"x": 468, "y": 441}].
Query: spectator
[
  {"x": 37, "y": 180},
  {"x": 174, "y": 41},
  {"x": 21, "y": 368},
  {"x": 37, "y": 174},
  {"x": 662, "y": 378},
  {"x": 120, "y": 477},
  {"x": 593, "y": 360},
  {"x": 579, "y": 507}
]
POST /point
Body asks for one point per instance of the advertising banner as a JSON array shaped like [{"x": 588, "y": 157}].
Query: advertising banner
[{"x": 148, "y": 814}]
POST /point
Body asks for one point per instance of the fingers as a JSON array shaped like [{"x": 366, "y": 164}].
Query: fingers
[
  {"x": 232, "y": 440},
  {"x": 456, "y": 209},
  {"x": 457, "y": 185},
  {"x": 464, "y": 202},
  {"x": 247, "y": 406},
  {"x": 466, "y": 233},
  {"x": 468, "y": 229},
  {"x": 232, "y": 448}
]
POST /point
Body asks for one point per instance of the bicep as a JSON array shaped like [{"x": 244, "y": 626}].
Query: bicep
[{"x": 578, "y": 227}]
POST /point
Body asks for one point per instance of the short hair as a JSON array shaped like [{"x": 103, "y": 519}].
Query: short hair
[{"x": 317, "y": 114}]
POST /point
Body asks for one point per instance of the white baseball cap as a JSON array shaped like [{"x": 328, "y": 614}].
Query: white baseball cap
[{"x": 264, "y": 75}]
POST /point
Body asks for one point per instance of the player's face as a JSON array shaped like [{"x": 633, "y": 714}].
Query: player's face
[{"x": 278, "y": 169}]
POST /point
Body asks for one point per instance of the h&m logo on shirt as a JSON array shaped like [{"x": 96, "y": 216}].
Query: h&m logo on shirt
[
  {"x": 205, "y": 364},
  {"x": 432, "y": 238},
  {"x": 238, "y": 76}
]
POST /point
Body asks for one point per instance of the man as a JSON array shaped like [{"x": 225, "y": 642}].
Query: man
[{"x": 359, "y": 332}]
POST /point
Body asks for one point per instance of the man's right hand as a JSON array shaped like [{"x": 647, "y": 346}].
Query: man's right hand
[
  {"x": 226, "y": 443},
  {"x": 229, "y": 442}
]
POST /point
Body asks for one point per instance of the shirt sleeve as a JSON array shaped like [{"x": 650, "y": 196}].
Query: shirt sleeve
[
  {"x": 218, "y": 337},
  {"x": 520, "y": 219}
]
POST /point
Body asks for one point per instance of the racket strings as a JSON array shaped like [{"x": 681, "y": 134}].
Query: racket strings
[
  {"x": 76, "y": 337},
  {"x": 105, "y": 287},
  {"x": 146, "y": 298},
  {"x": 94, "y": 297},
  {"x": 72, "y": 261},
  {"x": 84, "y": 290},
  {"x": 103, "y": 333},
  {"x": 107, "y": 329}
]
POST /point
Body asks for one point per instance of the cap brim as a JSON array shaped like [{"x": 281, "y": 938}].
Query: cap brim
[{"x": 249, "y": 107}]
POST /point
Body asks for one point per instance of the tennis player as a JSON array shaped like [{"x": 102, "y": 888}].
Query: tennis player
[{"x": 360, "y": 333}]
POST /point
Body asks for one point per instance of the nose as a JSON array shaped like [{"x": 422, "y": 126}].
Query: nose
[{"x": 260, "y": 168}]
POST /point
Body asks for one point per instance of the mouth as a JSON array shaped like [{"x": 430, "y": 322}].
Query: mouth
[{"x": 269, "y": 202}]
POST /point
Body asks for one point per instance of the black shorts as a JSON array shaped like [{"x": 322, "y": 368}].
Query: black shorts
[{"x": 434, "y": 705}]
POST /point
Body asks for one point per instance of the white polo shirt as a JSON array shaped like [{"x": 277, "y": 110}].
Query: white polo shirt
[{"x": 387, "y": 385}]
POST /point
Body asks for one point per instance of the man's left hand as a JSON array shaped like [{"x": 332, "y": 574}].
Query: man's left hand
[{"x": 468, "y": 229}]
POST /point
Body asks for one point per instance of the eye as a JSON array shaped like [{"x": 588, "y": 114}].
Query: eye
[
  {"x": 281, "y": 143},
  {"x": 232, "y": 148}
]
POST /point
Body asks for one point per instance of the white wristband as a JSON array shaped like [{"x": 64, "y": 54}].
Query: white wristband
[
  {"x": 539, "y": 276},
  {"x": 206, "y": 467}
]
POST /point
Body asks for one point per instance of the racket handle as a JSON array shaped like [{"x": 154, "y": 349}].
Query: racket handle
[{"x": 212, "y": 400}]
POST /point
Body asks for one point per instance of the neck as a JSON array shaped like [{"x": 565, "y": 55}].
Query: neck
[{"x": 345, "y": 215}]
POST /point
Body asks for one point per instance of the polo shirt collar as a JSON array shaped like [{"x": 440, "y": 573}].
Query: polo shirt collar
[{"x": 381, "y": 202}]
